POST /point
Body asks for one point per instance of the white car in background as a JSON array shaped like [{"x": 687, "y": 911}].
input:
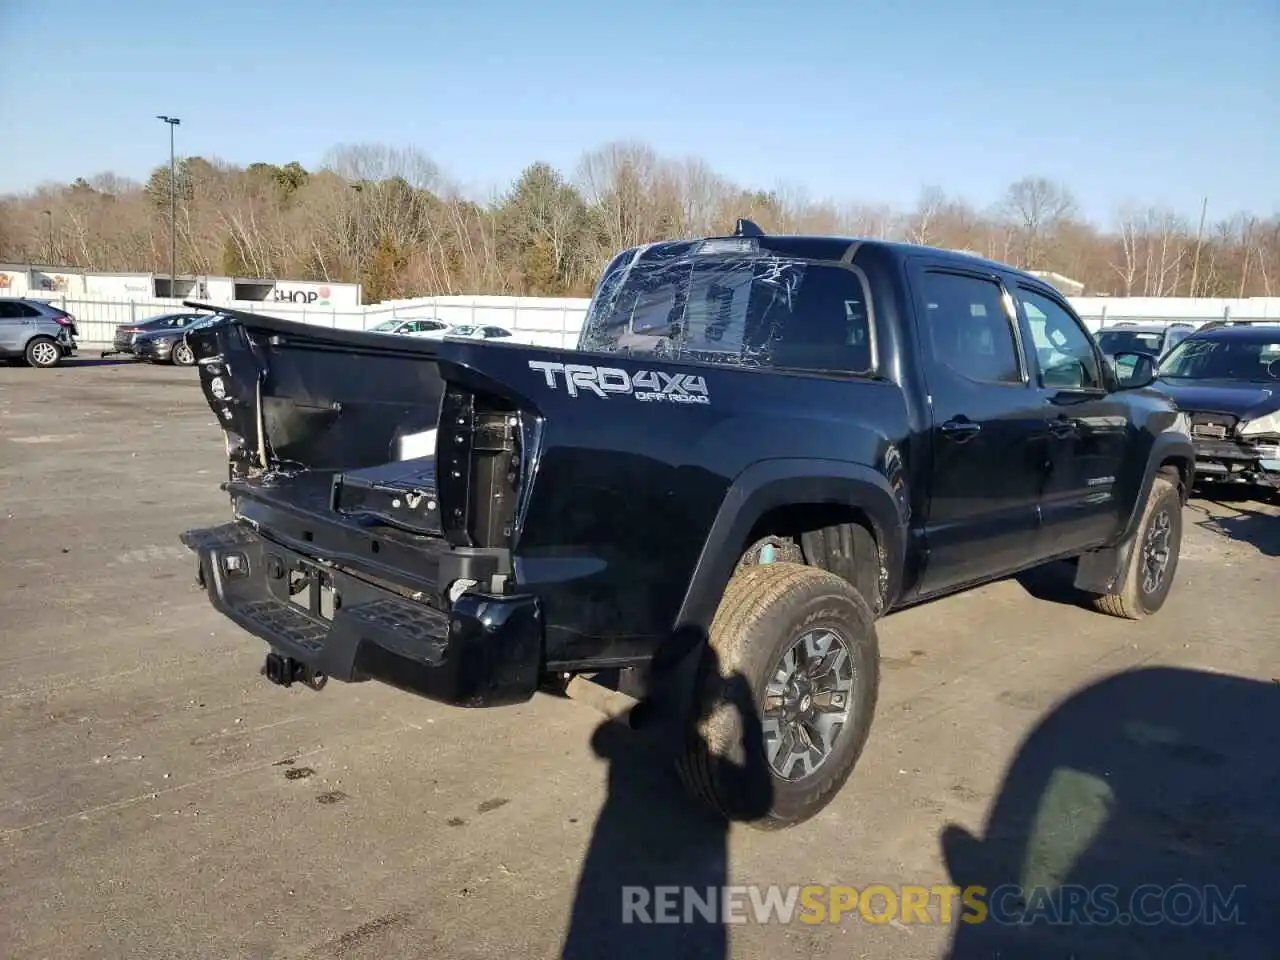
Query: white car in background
[
  {"x": 429, "y": 327},
  {"x": 478, "y": 332}
]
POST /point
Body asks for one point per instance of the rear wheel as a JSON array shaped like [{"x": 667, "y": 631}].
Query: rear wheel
[
  {"x": 181, "y": 355},
  {"x": 42, "y": 352},
  {"x": 786, "y": 695}
]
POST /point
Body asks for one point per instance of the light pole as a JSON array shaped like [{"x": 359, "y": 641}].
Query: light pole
[
  {"x": 49, "y": 236},
  {"x": 173, "y": 209},
  {"x": 359, "y": 189}
]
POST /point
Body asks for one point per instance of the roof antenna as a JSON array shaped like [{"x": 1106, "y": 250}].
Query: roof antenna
[{"x": 745, "y": 228}]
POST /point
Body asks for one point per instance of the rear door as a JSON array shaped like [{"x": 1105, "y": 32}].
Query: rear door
[
  {"x": 988, "y": 434},
  {"x": 1087, "y": 424}
]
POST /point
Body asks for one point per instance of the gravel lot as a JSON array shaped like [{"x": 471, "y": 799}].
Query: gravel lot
[{"x": 161, "y": 799}]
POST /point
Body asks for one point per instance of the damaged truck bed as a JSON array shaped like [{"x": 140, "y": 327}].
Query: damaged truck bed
[{"x": 761, "y": 445}]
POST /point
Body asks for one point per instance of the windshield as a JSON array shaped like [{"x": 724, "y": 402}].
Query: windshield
[
  {"x": 464, "y": 331},
  {"x": 1116, "y": 341},
  {"x": 752, "y": 309},
  {"x": 1256, "y": 361},
  {"x": 386, "y": 326}
]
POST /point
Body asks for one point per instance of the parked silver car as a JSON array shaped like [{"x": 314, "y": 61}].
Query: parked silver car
[
  {"x": 478, "y": 332},
  {"x": 427, "y": 327},
  {"x": 35, "y": 332}
]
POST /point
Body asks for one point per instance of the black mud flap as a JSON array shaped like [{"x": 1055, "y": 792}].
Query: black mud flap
[{"x": 1102, "y": 571}]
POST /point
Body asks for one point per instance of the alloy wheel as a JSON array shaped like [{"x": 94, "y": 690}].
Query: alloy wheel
[
  {"x": 807, "y": 703},
  {"x": 1156, "y": 552},
  {"x": 44, "y": 354}
]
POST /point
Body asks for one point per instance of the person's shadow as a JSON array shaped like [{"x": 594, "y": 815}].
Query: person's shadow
[
  {"x": 651, "y": 834},
  {"x": 1149, "y": 803}
]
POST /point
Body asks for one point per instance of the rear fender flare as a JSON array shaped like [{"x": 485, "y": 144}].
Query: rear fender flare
[{"x": 769, "y": 484}]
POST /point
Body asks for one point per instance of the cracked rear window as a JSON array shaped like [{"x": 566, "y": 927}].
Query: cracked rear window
[{"x": 754, "y": 310}]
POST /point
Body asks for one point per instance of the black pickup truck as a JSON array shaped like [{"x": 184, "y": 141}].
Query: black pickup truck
[{"x": 761, "y": 445}]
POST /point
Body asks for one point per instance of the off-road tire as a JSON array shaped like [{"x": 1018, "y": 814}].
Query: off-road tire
[
  {"x": 764, "y": 610},
  {"x": 1131, "y": 602},
  {"x": 39, "y": 354},
  {"x": 182, "y": 355}
]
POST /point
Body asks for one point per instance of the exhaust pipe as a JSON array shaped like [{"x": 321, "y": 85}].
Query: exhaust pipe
[{"x": 285, "y": 672}]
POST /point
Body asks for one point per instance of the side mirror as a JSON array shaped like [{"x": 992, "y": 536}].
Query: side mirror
[{"x": 1134, "y": 370}]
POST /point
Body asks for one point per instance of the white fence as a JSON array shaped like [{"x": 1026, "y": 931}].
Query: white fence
[
  {"x": 543, "y": 321},
  {"x": 555, "y": 322}
]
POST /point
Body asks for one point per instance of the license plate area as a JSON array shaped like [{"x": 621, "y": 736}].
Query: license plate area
[{"x": 310, "y": 588}]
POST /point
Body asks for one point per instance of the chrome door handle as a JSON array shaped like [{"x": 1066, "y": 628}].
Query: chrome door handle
[{"x": 960, "y": 430}]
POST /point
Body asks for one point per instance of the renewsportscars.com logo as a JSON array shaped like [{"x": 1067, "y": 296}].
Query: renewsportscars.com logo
[
  {"x": 646, "y": 385},
  {"x": 1009, "y": 905}
]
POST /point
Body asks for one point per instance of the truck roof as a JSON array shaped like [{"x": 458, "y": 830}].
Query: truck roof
[{"x": 836, "y": 247}]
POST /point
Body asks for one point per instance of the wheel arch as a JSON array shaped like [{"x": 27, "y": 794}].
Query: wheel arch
[
  {"x": 1173, "y": 457},
  {"x": 846, "y": 517}
]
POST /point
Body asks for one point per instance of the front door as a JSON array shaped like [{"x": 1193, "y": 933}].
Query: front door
[
  {"x": 1087, "y": 424},
  {"x": 988, "y": 436}
]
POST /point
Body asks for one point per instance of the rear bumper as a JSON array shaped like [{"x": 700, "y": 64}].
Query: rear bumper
[{"x": 485, "y": 651}]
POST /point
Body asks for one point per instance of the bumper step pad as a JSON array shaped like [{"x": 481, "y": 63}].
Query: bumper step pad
[{"x": 486, "y": 651}]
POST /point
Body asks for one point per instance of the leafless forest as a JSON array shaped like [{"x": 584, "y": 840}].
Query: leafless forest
[{"x": 392, "y": 218}]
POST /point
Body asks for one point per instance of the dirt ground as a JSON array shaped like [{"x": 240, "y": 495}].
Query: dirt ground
[{"x": 161, "y": 799}]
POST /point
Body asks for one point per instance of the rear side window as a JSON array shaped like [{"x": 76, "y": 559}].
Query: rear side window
[
  {"x": 754, "y": 310},
  {"x": 969, "y": 328}
]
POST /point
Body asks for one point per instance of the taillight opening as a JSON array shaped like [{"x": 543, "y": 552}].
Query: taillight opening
[{"x": 478, "y": 468}]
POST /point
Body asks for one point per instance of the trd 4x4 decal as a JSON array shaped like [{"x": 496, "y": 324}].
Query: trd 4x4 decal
[{"x": 647, "y": 385}]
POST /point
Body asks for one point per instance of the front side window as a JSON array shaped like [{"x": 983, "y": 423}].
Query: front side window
[
  {"x": 1065, "y": 352},
  {"x": 741, "y": 307}
]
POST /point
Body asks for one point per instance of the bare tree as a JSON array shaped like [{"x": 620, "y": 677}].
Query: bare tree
[
  {"x": 1036, "y": 207},
  {"x": 389, "y": 217}
]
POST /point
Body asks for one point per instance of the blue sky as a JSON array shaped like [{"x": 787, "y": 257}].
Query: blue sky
[{"x": 1162, "y": 102}]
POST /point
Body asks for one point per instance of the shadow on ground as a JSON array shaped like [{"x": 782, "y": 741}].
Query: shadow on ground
[
  {"x": 651, "y": 833},
  {"x": 1249, "y": 525},
  {"x": 1148, "y": 806},
  {"x": 1055, "y": 583},
  {"x": 88, "y": 360}
]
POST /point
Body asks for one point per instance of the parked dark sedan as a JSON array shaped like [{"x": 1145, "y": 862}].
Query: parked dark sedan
[
  {"x": 1227, "y": 379},
  {"x": 168, "y": 344},
  {"x": 127, "y": 333}
]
